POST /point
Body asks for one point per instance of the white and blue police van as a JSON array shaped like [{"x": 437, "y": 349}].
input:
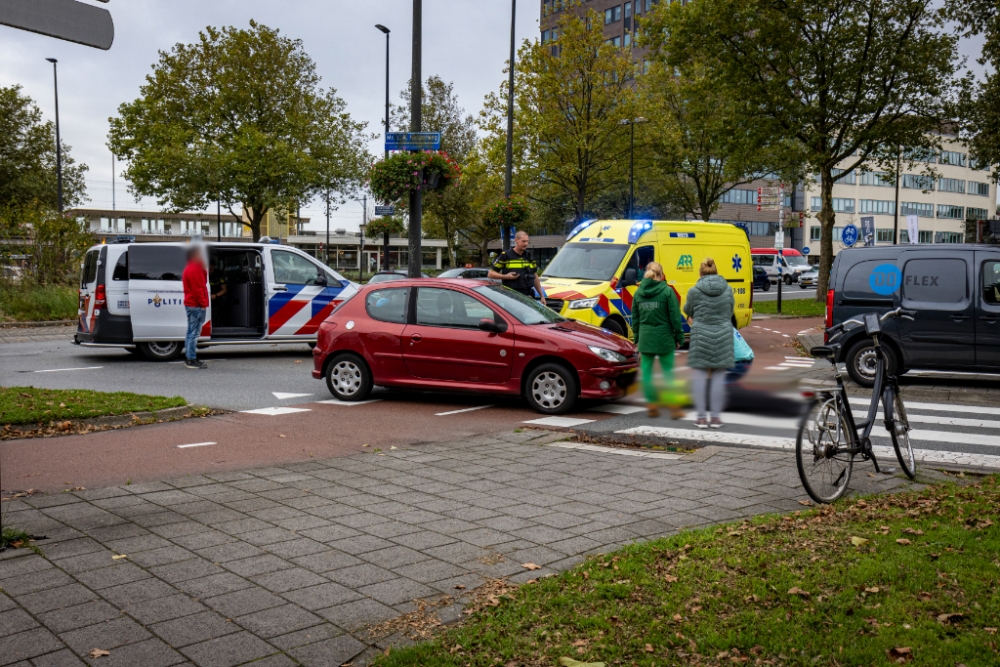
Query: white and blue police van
[{"x": 131, "y": 296}]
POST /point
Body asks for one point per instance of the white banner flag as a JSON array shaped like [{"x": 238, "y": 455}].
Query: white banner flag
[{"x": 913, "y": 228}]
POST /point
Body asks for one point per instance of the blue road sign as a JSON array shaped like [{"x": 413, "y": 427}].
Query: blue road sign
[
  {"x": 849, "y": 235},
  {"x": 805, "y": 251},
  {"x": 413, "y": 141}
]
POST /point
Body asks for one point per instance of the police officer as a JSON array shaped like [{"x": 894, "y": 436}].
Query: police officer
[{"x": 516, "y": 269}]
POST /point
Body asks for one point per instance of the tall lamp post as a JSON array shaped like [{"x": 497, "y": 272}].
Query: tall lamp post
[
  {"x": 386, "y": 31},
  {"x": 508, "y": 179},
  {"x": 631, "y": 122},
  {"x": 55, "y": 80},
  {"x": 416, "y": 196}
]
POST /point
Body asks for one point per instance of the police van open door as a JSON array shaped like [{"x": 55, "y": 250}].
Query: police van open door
[
  {"x": 156, "y": 299},
  {"x": 236, "y": 291}
]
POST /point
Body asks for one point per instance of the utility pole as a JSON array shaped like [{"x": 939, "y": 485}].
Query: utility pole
[
  {"x": 364, "y": 230},
  {"x": 895, "y": 210},
  {"x": 631, "y": 172},
  {"x": 218, "y": 219},
  {"x": 508, "y": 181},
  {"x": 55, "y": 80},
  {"x": 112, "y": 181},
  {"x": 416, "y": 196},
  {"x": 386, "y": 31},
  {"x": 328, "y": 226}
]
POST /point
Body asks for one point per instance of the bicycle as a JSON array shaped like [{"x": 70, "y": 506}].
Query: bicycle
[{"x": 829, "y": 438}]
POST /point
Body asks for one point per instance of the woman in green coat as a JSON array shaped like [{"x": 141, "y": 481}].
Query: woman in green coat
[
  {"x": 709, "y": 308},
  {"x": 657, "y": 331}
]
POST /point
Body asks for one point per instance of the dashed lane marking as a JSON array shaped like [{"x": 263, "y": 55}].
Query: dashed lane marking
[
  {"x": 60, "y": 370},
  {"x": 273, "y": 412},
  {"x": 196, "y": 444},
  {"x": 455, "y": 412},
  {"x": 561, "y": 422},
  {"x": 334, "y": 401}
]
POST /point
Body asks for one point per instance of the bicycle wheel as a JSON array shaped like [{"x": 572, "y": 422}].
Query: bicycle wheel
[
  {"x": 824, "y": 466},
  {"x": 900, "y": 433}
]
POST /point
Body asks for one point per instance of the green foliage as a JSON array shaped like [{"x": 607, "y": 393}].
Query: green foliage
[
  {"x": 377, "y": 227},
  {"x": 28, "y": 405},
  {"x": 239, "y": 116},
  {"x": 48, "y": 247},
  {"x": 849, "y": 82},
  {"x": 785, "y": 590},
  {"x": 28, "y": 157},
  {"x": 791, "y": 307},
  {"x": 393, "y": 179},
  {"x": 27, "y": 302},
  {"x": 504, "y": 213}
]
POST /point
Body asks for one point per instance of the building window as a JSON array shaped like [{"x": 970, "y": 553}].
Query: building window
[
  {"x": 978, "y": 166},
  {"x": 972, "y": 213},
  {"x": 879, "y": 206},
  {"x": 883, "y": 235},
  {"x": 814, "y": 233},
  {"x": 645, "y": 67},
  {"x": 921, "y": 155},
  {"x": 981, "y": 189},
  {"x": 614, "y": 41},
  {"x": 612, "y": 15},
  {"x": 840, "y": 204},
  {"x": 918, "y": 182},
  {"x": 628, "y": 39},
  {"x": 951, "y": 185},
  {"x": 849, "y": 179},
  {"x": 739, "y": 196},
  {"x": 922, "y": 237},
  {"x": 916, "y": 208},
  {"x": 949, "y": 237},
  {"x": 951, "y": 212},
  {"x": 877, "y": 178},
  {"x": 953, "y": 157}
]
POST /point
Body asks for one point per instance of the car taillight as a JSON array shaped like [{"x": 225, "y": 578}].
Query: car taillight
[
  {"x": 829, "y": 313},
  {"x": 100, "y": 297}
]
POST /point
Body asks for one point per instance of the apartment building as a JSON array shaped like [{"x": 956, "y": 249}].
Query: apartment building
[
  {"x": 149, "y": 226},
  {"x": 620, "y": 25}
]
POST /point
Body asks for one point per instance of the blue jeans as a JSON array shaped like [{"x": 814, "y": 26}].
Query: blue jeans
[{"x": 196, "y": 318}]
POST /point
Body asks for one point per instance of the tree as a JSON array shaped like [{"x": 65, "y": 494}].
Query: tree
[
  {"x": 572, "y": 94},
  {"x": 28, "y": 157},
  {"x": 238, "y": 116},
  {"x": 852, "y": 82},
  {"x": 698, "y": 143}
]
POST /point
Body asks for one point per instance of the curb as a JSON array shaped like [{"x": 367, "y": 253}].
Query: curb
[
  {"x": 130, "y": 419},
  {"x": 28, "y": 325}
]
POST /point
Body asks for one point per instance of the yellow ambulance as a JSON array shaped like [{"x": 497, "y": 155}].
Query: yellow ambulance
[{"x": 595, "y": 275}]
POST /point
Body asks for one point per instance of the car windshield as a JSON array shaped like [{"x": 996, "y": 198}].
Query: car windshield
[
  {"x": 796, "y": 260},
  {"x": 525, "y": 309},
  {"x": 451, "y": 273},
  {"x": 587, "y": 261}
]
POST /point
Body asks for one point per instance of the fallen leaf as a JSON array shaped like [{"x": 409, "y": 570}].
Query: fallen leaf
[
  {"x": 281, "y": 435},
  {"x": 98, "y": 653},
  {"x": 913, "y": 531},
  {"x": 678, "y": 617},
  {"x": 570, "y": 662},
  {"x": 923, "y": 596},
  {"x": 859, "y": 541},
  {"x": 365, "y": 445},
  {"x": 299, "y": 361},
  {"x": 649, "y": 648},
  {"x": 579, "y": 642},
  {"x": 460, "y": 587},
  {"x": 531, "y": 566},
  {"x": 992, "y": 631},
  {"x": 492, "y": 600},
  {"x": 795, "y": 590},
  {"x": 392, "y": 447},
  {"x": 670, "y": 578},
  {"x": 903, "y": 541},
  {"x": 900, "y": 654},
  {"x": 807, "y": 503},
  {"x": 119, "y": 557},
  {"x": 873, "y": 589},
  {"x": 950, "y": 618}
]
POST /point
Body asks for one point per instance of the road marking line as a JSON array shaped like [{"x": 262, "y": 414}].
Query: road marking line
[
  {"x": 281, "y": 396},
  {"x": 336, "y": 401},
  {"x": 273, "y": 412},
  {"x": 196, "y": 444},
  {"x": 59, "y": 370},
  {"x": 617, "y": 450},
  {"x": 883, "y": 453},
  {"x": 563, "y": 422},
  {"x": 455, "y": 412},
  {"x": 941, "y": 407},
  {"x": 618, "y": 409}
]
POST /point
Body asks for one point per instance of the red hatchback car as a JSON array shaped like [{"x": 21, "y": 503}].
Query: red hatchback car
[{"x": 468, "y": 335}]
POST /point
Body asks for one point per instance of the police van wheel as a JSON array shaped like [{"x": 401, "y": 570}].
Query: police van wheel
[
  {"x": 162, "y": 351},
  {"x": 348, "y": 377},
  {"x": 613, "y": 327},
  {"x": 551, "y": 389}
]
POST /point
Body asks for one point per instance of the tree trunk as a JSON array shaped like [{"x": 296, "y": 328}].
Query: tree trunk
[{"x": 826, "y": 218}]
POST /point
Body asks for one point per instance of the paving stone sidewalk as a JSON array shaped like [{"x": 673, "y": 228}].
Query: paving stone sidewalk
[
  {"x": 13, "y": 334},
  {"x": 291, "y": 565}
]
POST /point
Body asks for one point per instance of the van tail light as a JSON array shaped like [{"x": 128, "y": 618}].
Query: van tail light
[
  {"x": 100, "y": 297},
  {"x": 829, "y": 313}
]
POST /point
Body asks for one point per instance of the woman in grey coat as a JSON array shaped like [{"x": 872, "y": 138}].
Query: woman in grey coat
[{"x": 709, "y": 309}]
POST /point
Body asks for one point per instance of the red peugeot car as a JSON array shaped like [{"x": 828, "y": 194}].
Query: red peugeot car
[{"x": 468, "y": 335}]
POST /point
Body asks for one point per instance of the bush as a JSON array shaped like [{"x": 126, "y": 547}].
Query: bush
[
  {"x": 47, "y": 246},
  {"x": 37, "y": 303}
]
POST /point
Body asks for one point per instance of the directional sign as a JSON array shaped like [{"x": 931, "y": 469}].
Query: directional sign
[
  {"x": 63, "y": 19},
  {"x": 779, "y": 239},
  {"x": 849, "y": 235},
  {"x": 385, "y": 210},
  {"x": 412, "y": 141}
]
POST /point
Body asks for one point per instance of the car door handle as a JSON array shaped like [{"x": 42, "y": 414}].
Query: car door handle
[
  {"x": 959, "y": 318},
  {"x": 989, "y": 320},
  {"x": 415, "y": 338},
  {"x": 279, "y": 288}
]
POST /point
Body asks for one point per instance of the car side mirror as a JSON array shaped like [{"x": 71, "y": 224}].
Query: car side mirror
[
  {"x": 628, "y": 278},
  {"x": 487, "y": 324},
  {"x": 321, "y": 280}
]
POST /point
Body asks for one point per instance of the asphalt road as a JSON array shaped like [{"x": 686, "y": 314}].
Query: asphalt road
[{"x": 787, "y": 292}]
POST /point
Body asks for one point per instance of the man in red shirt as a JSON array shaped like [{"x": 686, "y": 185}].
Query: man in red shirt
[{"x": 195, "y": 281}]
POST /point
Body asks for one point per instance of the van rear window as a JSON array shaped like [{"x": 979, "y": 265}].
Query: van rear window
[
  {"x": 89, "y": 272},
  {"x": 121, "y": 267},
  {"x": 150, "y": 262}
]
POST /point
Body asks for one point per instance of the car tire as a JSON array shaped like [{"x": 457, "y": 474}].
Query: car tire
[
  {"x": 348, "y": 377},
  {"x": 162, "y": 351},
  {"x": 613, "y": 327},
  {"x": 767, "y": 286},
  {"x": 551, "y": 389},
  {"x": 861, "y": 360},
  {"x": 788, "y": 280}
]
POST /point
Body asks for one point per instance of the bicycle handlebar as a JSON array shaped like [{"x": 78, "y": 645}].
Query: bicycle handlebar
[{"x": 898, "y": 312}]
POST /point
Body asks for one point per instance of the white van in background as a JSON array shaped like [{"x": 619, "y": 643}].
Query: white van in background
[{"x": 131, "y": 296}]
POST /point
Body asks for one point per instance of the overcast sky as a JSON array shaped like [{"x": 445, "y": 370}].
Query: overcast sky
[{"x": 465, "y": 41}]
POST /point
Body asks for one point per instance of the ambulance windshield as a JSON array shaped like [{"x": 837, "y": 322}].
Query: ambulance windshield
[{"x": 587, "y": 261}]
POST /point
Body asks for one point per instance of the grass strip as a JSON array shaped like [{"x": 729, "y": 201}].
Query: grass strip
[
  {"x": 27, "y": 405},
  {"x": 38, "y": 303},
  {"x": 791, "y": 307},
  {"x": 907, "y": 578}
]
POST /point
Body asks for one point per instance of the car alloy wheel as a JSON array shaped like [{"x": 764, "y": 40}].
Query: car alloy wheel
[
  {"x": 346, "y": 378},
  {"x": 549, "y": 390}
]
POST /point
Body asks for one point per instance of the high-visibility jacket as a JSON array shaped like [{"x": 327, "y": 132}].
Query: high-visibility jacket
[{"x": 523, "y": 265}]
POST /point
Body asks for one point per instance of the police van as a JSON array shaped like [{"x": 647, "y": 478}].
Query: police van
[{"x": 131, "y": 296}]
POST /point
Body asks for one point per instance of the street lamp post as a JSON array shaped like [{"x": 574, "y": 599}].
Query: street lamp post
[
  {"x": 386, "y": 31},
  {"x": 508, "y": 181},
  {"x": 631, "y": 163},
  {"x": 416, "y": 196},
  {"x": 895, "y": 210},
  {"x": 55, "y": 81}
]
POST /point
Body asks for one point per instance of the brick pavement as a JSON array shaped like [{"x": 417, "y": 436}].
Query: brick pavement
[
  {"x": 289, "y": 565},
  {"x": 11, "y": 334}
]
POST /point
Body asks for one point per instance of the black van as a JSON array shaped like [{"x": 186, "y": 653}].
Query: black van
[{"x": 954, "y": 288}]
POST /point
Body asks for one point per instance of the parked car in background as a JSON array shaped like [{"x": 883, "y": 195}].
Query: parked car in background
[
  {"x": 788, "y": 267},
  {"x": 468, "y": 336},
  {"x": 761, "y": 280},
  {"x": 955, "y": 290},
  {"x": 475, "y": 273},
  {"x": 383, "y": 276}
]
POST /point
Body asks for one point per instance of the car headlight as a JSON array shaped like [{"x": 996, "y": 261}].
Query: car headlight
[
  {"x": 607, "y": 355},
  {"x": 580, "y": 304}
]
